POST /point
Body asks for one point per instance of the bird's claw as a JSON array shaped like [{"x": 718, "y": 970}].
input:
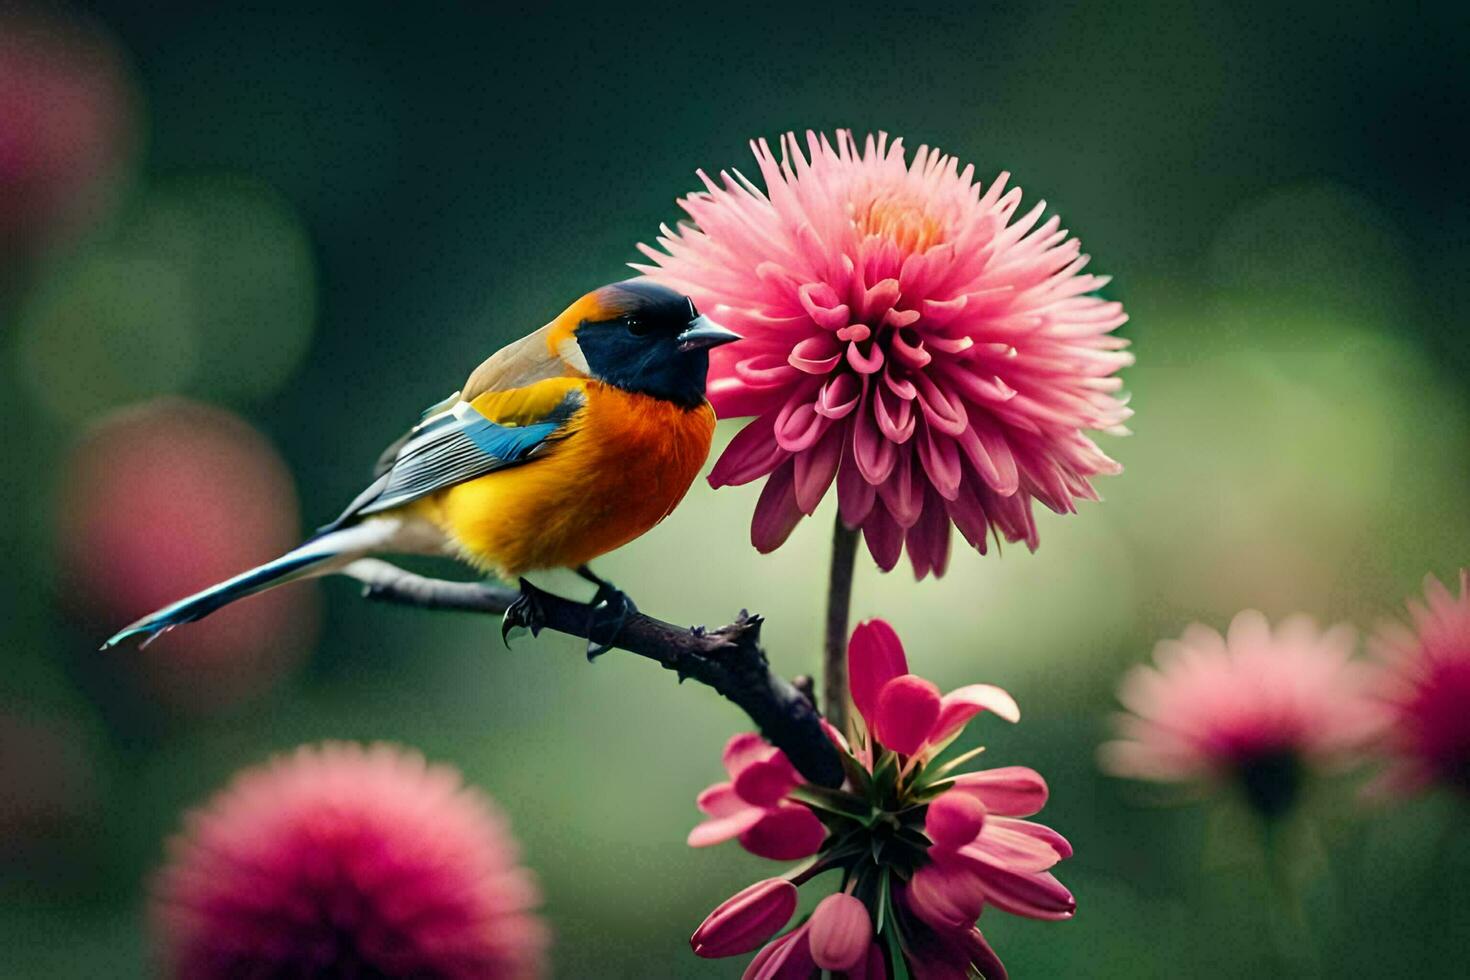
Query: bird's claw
[
  {"x": 611, "y": 608},
  {"x": 526, "y": 612}
]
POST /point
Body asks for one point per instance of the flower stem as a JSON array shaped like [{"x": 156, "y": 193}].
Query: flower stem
[{"x": 839, "y": 604}]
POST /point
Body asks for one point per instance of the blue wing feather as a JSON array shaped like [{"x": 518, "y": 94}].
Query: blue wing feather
[{"x": 456, "y": 445}]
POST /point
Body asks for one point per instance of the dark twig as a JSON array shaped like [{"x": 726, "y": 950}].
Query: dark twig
[{"x": 728, "y": 659}]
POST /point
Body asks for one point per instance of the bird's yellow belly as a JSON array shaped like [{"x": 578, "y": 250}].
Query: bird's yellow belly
[{"x": 621, "y": 473}]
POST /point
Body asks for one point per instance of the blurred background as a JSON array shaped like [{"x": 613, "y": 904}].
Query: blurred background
[{"x": 238, "y": 249}]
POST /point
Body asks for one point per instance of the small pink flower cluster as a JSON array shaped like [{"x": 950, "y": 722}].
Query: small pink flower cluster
[{"x": 921, "y": 849}]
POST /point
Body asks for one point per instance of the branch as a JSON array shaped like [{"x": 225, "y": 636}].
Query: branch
[{"x": 728, "y": 659}]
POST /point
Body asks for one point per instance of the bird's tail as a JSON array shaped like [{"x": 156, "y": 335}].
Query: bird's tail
[{"x": 320, "y": 555}]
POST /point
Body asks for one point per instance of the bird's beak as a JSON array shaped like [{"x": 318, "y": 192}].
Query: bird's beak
[{"x": 704, "y": 332}]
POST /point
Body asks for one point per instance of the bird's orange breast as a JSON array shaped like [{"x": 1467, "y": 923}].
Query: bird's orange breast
[{"x": 627, "y": 463}]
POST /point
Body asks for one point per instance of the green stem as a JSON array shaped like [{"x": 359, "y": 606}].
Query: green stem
[
  {"x": 839, "y": 605},
  {"x": 1292, "y": 933}
]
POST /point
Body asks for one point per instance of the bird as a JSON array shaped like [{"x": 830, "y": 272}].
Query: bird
[{"x": 560, "y": 447}]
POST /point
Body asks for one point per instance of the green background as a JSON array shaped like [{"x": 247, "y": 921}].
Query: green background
[{"x": 390, "y": 192}]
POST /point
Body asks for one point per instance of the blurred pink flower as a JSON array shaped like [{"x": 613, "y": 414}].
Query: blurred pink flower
[
  {"x": 66, "y": 126},
  {"x": 160, "y": 500},
  {"x": 1425, "y": 682},
  {"x": 907, "y": 336},
  {"x": 957, "y": 840},
  {"x": 1256, "y": 706},
  {"x": 347, "y": 861}
]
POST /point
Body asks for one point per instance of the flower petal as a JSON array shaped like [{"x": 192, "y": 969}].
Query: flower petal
[
  {"x": 875, "y": 455},
  {"x": 964, "y": 703},
  {"x": 907, "y": 709},
  {"x": 1004, "y": 847},
  {"x": 954, "y": 820},
  {"x": 798, "y": 425},
  {"x": 840, "y": 931},
  {"x": 1035, "y": 896},
  {"x": 855, "y": 495},
  {"x": 750, "y": 455},
  {"x": 946, "y": 896},
  {"x": 719, "y": 800},
  {"x": 786, "y": 833},
  {"x": 776, "y": 511},
  {"x": 732, "y": 398},
  {"x": 874, "y": 657},
  {"x": 717, "y": 830},
  {"x": 816, "y": 468},
  {"x": 1041, "y": 832},
  {"x": 745, "y": 920},
  {"x": 1011, "y": 791},
  {"x": 766, "y": 782},
  {"x": 742, "y": 750},
  {"x": 840, "y": 396},
  {"x": 884, "y": 538},
  {"x": 817, "y": 354},
  {"x": 788, "y": 958},
  {"x": 872, "y": 966},
  {"x": 983, "y": 958}
]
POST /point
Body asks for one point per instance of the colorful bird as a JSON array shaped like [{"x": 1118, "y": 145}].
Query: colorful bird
[{"x": 561, "y": 447}]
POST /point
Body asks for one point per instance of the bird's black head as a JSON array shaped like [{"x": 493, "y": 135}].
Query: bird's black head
[{"x": 643, "y": 337}]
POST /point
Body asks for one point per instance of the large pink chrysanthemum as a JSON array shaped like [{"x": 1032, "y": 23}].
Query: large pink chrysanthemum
[
  {"x": 1256, "y": 706},
  {"x": 344, "y": 861},
  {"x": 908, "y": 335},
  {"x": 1426, "y": 684}
]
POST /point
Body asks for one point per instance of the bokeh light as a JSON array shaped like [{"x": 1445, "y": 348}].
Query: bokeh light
[
  {"x": 1291, "y": 268},
  {"x": 166, "y": 498},
  {"x": 1316, "y": 492},
  {"x": 123, "y": 323},
  {"x": 48, "y": 786},
  {"x": 67, "y": 128},
  {"x": 242, "y": 250},
  {"x": 207, "y": 286}
]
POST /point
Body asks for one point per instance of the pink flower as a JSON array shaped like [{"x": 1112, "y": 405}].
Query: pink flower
[
  {"x": 908, "y": 833},
  {"x": 908, "y": 336},
  {"x": 350, "y": 861},
  {"x": 1257, "y": 707},
  {"x": 1425, "y": 684}
]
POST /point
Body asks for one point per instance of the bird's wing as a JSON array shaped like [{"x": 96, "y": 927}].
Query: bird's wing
[
  {"x": 469, "y": 439},
  {"x": 550, "y": 352},
  {"x": 387, "y": 457}
]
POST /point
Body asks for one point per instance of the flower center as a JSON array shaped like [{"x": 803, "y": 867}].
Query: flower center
[
  {"x": 900, "y": 219},
  {"x": 1271, "y": 780},
  {"x": 877, "y": 826}
]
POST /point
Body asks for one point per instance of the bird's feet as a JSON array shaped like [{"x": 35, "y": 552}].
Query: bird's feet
[
  {"x": 526, "y": 612},
  {"x": 611, "y": 608}
]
